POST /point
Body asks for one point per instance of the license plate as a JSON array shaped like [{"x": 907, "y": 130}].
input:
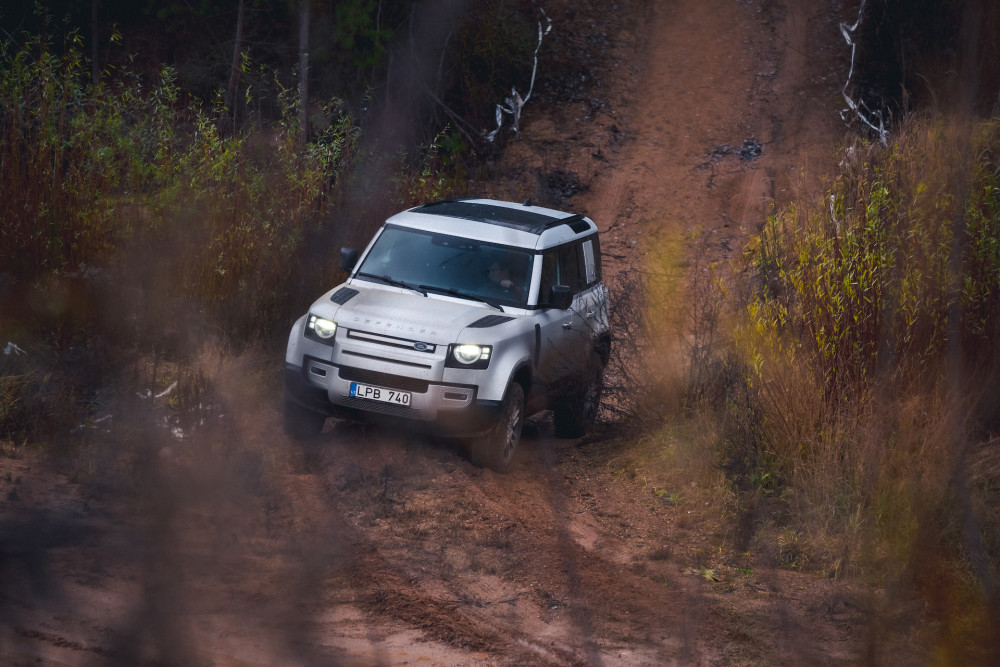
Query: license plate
[{"x": 380, "y": 394}]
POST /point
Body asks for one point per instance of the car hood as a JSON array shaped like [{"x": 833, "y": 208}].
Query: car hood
[{"x": 409, "y": 315}]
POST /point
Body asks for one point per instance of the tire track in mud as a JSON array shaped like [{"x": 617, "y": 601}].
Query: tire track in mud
[
  {"x": 384, "y": 589},
  {"x": 560, "y": 602},
  {"x": 392, "y": 594}
]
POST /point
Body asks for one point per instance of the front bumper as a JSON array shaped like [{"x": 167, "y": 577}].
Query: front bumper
[{"x": 446, "y": 408}]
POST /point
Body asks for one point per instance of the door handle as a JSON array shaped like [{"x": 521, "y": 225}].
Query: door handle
[{"x": 567, "y": 325}]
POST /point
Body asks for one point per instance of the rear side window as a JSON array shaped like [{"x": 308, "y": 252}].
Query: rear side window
[{"x": 592, "y": 260}]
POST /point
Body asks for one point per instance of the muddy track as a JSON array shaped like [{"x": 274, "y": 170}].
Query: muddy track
[
  {"x": 442, "y": 548},
  {"x": 388, "y": 574}
]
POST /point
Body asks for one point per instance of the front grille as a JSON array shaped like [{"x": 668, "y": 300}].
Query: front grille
[
  {"x": 383, "y": 380},
  {"x": 376, "y": 406},
  {"x": 391, "y": 341}
]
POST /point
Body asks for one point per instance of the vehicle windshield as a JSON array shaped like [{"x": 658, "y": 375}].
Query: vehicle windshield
[{"x": 450, "y": 264}]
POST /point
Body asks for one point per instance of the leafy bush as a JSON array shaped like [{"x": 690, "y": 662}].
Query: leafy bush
[
  {"x": 899, "y": 265},
  {"x": 868, "y": 360},
  {"x": 132, "y": 176}
]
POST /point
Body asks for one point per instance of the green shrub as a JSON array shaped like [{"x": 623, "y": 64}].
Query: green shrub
[
  {"x": 868, "y": 350},
  {"x": 872, "y": 281},
  {"x": 133, "y": 176}
]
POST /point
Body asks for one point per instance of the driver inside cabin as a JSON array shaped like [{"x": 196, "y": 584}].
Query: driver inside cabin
[
  {"x": 504, "y": 275},
  {"x": 500, "y": 276},
  {"x": 510, "y": 274}
]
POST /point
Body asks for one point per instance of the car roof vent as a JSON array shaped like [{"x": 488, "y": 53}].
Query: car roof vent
[{"x": 343, "y": 295}]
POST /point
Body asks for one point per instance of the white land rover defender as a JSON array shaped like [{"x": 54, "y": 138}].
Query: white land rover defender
[{"x": 465, "y": 315}]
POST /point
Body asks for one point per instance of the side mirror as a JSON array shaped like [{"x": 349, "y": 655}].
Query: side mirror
[
  {"x": 562, "y": 297},
  {"x": 348, "y": 258}
]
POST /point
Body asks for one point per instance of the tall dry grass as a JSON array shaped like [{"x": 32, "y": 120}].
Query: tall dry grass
[
  {"x": 846, "y": 381},
  {"x": 868, "y": 356}
]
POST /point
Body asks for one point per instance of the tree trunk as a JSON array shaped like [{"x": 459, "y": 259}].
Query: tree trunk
[
  {"x": 234, "y": 74},
  {"x": 303, "y": 71},
  {"x": 95, "y": 68}
]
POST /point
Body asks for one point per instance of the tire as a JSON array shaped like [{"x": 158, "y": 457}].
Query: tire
[
  {"x": 302, "y": 423},
  {"x": 575, "y": 414},
  {"x": 495, "y": 450}
]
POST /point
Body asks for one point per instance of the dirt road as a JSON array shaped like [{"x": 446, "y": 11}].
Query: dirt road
[{"x": 223, "y": 543}]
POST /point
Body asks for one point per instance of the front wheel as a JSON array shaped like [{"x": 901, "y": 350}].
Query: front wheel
[
  {"x": 302, "y": 423},
  {"x": 496, "y": 449}
]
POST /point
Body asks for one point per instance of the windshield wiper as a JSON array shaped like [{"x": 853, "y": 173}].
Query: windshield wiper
[
  {"x": 462, "y": 295},
  {"x": 391, "y": 281}
]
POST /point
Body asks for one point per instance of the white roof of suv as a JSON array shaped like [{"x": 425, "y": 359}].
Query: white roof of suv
[{"x": 495, "y": 221}]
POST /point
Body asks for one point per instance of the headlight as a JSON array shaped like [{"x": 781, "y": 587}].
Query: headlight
[
  {"x": 320, "y": 329},
  {"x": 469, "y": 356}
]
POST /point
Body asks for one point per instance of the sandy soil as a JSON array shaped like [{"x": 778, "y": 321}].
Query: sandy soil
[{"x": 224, "y": 543}]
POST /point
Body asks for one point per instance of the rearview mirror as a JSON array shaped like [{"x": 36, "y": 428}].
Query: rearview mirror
[
  {"x": 348, "y": 258},
  {"x": 562, "y": 297}
]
